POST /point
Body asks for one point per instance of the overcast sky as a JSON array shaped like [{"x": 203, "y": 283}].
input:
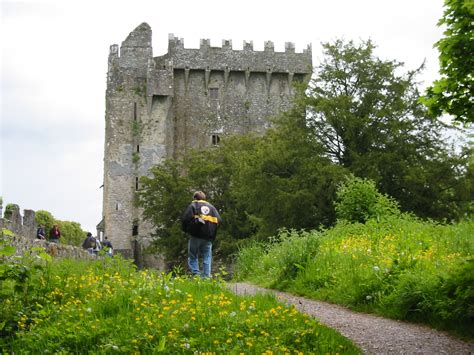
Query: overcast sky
[{"x": 54, "y": 64}]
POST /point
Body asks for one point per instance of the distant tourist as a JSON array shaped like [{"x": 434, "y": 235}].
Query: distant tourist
[
  {"x": 200, "y": 220},
  {"x": 40, "y": 232},
  {"x": 107, "y": 246},
  {"x": 89, "y": 243},
  {"x": 98, "y": 246},
  {"x": 54, "y": 234}
]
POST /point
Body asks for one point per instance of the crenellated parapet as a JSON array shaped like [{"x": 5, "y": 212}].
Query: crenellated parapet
[{"x": 225, "y": 58}]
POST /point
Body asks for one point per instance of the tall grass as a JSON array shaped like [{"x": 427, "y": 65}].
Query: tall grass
[
  {"x": 106, "y": 306},
  {"x": 399, "y": 267}
]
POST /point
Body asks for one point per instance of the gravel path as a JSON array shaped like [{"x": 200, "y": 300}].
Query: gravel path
[{"x": 374, "y": 335}]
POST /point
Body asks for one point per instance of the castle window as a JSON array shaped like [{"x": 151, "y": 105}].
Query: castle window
[
  {"x": 134, "y": 110},
  {"x": 215, "y": 139},
  {"x": 214, "y": 93},
  {"x": 135, "y": 229},
  {"x": 136, "y": 183},
  {"x": 117, "y": 206},
  {"x": 138, "y": 149}
]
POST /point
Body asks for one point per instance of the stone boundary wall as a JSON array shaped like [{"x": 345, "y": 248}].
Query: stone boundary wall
[
  {"x": 23, "y": 244},
  {"x": 24, "y": 229}
]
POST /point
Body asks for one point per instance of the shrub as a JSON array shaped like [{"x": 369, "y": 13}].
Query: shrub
[{"x": 358, "y": 200}]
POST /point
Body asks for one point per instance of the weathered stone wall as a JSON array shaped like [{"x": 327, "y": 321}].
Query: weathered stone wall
[
  {"x": 24, "y": 229},
  {"x": 24, "y": 244},
  {"x": 158, "y": 107},
  {"x": 21, "y": 225}
]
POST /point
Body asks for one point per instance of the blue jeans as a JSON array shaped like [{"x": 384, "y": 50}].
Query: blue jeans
[{"x": 200, "y": 247}]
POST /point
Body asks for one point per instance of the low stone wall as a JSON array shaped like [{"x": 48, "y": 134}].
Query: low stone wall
[
  {"x": 23, "y": 245},
  {"x": 24, "y": 229}
]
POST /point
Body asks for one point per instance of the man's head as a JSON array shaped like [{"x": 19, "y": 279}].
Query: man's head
[{"x": 199, "y": 195}]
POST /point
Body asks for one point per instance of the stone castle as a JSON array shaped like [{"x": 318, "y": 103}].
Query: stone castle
[{"x": 158, "y": 107}]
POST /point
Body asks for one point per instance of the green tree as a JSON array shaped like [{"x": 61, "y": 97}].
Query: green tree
[
  {"x": 453, "y": 93},
  {"x": 45, "y": 218},
  {"x": 71, "y": 232},
  {"x": 369, "y": 119},
  {"x": 285, "y": 181}
]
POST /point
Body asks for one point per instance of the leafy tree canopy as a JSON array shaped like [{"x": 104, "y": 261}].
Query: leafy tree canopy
[
  {"x": 366, "y": 114},
  {"x": 45, "y": 218},
  {"x": 453, "y": 93}
]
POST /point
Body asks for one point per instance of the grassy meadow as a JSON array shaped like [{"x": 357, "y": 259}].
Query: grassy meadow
[
  {"x": 107, "y": 306},
  {"x": 398, "y": 267}
]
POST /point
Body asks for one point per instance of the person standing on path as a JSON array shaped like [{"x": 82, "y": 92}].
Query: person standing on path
[{"x": 200, "y": 220}]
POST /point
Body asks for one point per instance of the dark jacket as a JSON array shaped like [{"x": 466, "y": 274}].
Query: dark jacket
[
  {"x": 40, "y": 233},
  {"x": 201, "y": 220},
  {"x": 89, "y": 242}
]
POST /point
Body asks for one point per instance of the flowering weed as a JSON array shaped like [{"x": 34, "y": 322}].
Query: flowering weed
[
  {"x": 399, "y": 267},
  {"x": 106, "y": 306}
]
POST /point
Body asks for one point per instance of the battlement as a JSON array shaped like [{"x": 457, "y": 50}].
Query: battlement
[
  {"x": 205, "y": 43},
  {"x": 247, "y": 59},
  {"x": 136, "y": 51}
]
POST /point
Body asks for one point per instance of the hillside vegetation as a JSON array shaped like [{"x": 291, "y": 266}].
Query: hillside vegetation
[
  {"x": 107, "y": 306},
  {"x": 397, "y": 266}
]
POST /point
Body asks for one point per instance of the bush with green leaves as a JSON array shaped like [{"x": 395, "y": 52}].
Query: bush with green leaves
[{"x": 358, "y": 200}]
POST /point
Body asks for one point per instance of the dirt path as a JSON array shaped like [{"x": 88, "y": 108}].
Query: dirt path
[{"x": 374, "y": 335}]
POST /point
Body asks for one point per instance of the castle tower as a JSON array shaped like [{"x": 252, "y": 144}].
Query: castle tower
[{"x": 158, "y": 107}]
